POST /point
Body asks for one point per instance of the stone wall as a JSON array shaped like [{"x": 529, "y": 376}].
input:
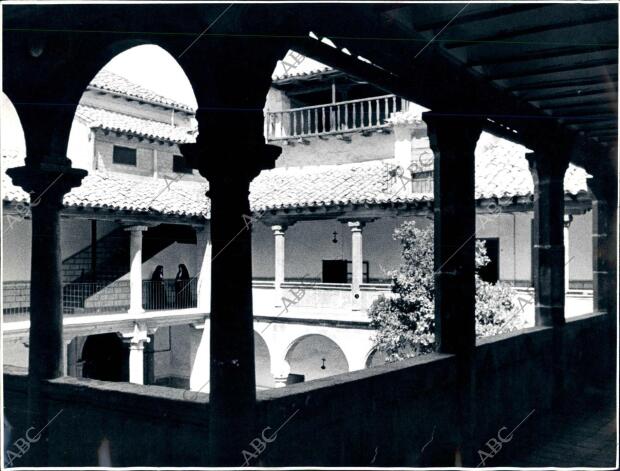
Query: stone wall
[{"x": 381, "y": 416}]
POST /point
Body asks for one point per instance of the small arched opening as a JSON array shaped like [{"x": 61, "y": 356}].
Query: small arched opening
[
  {"x": 316, "y": 356},
  {"x": 105, "y": 357}
]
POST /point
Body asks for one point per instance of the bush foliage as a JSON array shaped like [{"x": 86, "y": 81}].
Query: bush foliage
[{"x": 405, "y": 321}]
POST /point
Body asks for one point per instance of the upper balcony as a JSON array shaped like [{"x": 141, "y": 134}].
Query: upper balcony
[{"x": 365, "y": 115}]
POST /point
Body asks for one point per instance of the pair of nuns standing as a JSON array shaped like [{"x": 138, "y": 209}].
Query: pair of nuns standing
[{"x": 182, "y": 290}]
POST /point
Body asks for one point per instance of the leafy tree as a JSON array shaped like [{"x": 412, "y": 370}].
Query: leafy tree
[{"x": 405, "y": 321}]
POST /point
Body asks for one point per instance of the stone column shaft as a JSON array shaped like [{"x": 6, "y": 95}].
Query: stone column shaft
[
  {"x": 280, "y": 258},
  {"x": 453, "y": 141},
  {"x": 47, "y": 184},
  {"x": 357, "y": 264},
  {"x": 548, "y": 251},
  {"x": 135, "y": 270},
  {"x": 137, "y": 339}
]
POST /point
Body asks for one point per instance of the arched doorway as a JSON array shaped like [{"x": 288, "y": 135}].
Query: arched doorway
[
  {"x": 316, "y": 356},
  {"x": 105, "y": 357}
]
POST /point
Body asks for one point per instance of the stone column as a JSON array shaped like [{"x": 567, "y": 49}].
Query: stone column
[
  {"x": 279, "y": 238},
  {"x": 232, "y": 373},
  {"x": 47, "y": 184},
  {"x": 548, "y": 252},
  {"x": 135, "y": 270},
  {"x": 568, "y": 218},
  {"x": 453, "y": 141},
  {"x": 137, "y": 339},
  {"x": 204, "y": 254},
  {"x": 357, "y": 264}
]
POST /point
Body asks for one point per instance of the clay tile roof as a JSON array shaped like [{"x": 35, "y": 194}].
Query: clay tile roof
[
  {"x": 501, "y": 171},
  {"x": 112, "y": 121},
  {"x": 111, "y": 82},
  {"x": 122, "y": 192}
]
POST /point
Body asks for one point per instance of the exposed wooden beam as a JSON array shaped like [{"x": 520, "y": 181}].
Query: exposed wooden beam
[
  {"x": 474, "y": 16},
  {"x": 564, "y": 106},
  {"x": 582, "y": 111},
  {"x": 578, "y": 82},
  {"x": 554, "y": 69},
  {"x": 541, "y": 54},
  {"x": 570, "y": 94},
  {"x": 508, "y": 34},
  {"x": 601, "y": 117},
  {"x": 600, "y": 124}
]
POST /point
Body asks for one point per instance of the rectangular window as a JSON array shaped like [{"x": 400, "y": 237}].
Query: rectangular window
[
  {"x": 124, "y": 155},
  {"x": 179, "y": 165},
  {"x": 340, "y": 271}
]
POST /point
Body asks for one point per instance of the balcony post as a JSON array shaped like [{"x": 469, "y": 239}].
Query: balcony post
[
  {"x": 357, "y": 263},
  {"x": 47, "y": 184},
  {"x": 548, "y": 252},
  {"x": 279, "y": 237},
  {"x": 453, "y": 142},
  {"x": 135, "y": 271},
  {"x": 204, "y": 254}
]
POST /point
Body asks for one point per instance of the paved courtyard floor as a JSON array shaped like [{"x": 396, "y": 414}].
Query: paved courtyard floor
[{"x": 580, "y": 434}]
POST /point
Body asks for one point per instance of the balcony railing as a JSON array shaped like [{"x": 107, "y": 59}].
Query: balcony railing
[
  {"x": 361, "y": 115},
  {"x": 103, "y": 296}
]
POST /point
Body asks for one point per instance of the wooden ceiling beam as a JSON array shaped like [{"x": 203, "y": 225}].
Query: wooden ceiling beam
[
  {"x": 578, "y": 82},
  {"x": 501, "y": 36},
  {"x": 541, "y": 54},
  {"x": 551, "y": 69},
  {"x": 475, "y": 16}
]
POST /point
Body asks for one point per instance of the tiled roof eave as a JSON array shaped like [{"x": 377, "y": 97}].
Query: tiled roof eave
[
  {"x": 175, "y": 106},
  {"x": 140, "y": 135}
]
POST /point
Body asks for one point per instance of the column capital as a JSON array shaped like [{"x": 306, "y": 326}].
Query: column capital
[
  {"x": 46, "y": 183},
  {"x": 136, "y": 228},
  {"x": 356, "y": 226},
  {"x": 239, "y": 161},
  {"x": 137, "y": 338},
  {"x": 459, "y": 131},
  {"x": 547, "y": 165},
  {"x": 279, "y": 229}
]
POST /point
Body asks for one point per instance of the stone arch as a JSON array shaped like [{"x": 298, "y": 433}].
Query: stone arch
[
  {"x": 105, "y": 357},
  {"x": 306, "y": 353},
  {"x": 374, "y": 358}
]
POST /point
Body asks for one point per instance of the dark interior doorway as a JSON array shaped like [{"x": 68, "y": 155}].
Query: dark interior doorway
[
  {"x": 490, "y": 272},
  {"x": 105, "y": 357}
]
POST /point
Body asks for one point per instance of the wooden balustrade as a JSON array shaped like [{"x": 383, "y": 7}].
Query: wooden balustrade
[{"x": 334, "y": 118}]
